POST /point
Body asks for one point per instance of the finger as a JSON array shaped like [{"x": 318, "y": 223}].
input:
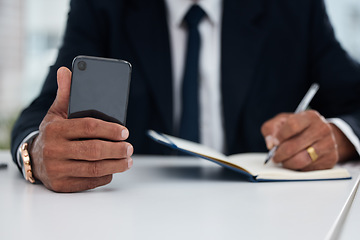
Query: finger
[
  {"x": 93, "y": 150},
  {"x": 271, "y": 127},
  {"x": 96, "y": 168},
  {"x": 61, "y": 102},
  {"x": 78, "y": 184},
  {"x": 327, "y": 161},
  {"x": 86, "y": 128},
  {"x": 298, "y": 161},
  {"x": 317, "y": 131},
  {"x": 296, "y": 124},
  {"x": 326, "y": 152}
]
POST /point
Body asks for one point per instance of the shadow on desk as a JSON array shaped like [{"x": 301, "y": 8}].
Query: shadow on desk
[{"x": 200, "y": 173}]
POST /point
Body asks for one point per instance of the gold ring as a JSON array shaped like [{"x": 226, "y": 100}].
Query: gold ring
[{"x": 312, "y": 153}]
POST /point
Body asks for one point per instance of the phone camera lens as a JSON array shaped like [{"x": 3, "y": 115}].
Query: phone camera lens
[{"x": 82, "y": 65}]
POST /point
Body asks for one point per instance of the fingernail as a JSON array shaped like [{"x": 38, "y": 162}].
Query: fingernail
[
  {"x": 130, "y": 150},
  {"x": 276, "y": 141},
  {"x": 125, "y": 133},
  {"x": 130, "y": 162},
  {"x": 269, "y": 142}
]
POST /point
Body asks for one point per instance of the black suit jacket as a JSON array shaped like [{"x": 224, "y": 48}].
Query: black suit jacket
[{"x": 271, "y": 53}]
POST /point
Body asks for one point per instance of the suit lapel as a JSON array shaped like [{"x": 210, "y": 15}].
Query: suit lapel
[
  {"x": 148, "y": 32},
  {"x": 242, "y": 39}
]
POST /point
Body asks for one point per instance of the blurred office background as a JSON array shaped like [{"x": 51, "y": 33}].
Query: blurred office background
[{"x": 31, "y": 31}]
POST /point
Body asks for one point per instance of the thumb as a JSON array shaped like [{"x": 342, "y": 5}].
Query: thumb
[{"x": 61, "y": 103}]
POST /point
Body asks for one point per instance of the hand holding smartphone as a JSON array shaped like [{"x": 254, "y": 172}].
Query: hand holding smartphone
[
  {"x": 66, "y": 156},
  {"x": 99, "y": 89}
]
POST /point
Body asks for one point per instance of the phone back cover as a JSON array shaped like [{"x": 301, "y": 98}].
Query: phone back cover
[{"x": 101, "y": 90}]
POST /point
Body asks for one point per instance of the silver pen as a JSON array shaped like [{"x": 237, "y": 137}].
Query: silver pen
[{"x": 300, "y": 108}]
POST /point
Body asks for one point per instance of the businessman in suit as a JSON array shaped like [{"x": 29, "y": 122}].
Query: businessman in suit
[{"x": 252, "y": 62}]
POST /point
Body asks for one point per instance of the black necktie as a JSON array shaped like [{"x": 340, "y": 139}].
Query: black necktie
[{"x": 189, "y": 125}]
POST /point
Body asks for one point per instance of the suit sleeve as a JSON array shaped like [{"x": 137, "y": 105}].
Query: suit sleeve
[
  {"x": 84, "y": 35},
  {"x": 337, "y": 73}
]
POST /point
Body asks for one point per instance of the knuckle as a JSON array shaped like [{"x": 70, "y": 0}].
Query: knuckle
[
  {"x": 284, "y": 152},
  {"x": 313, "y": 114},
  {"x": 51, "y": 171},
  {"x": 326, "y": 129},
  {"x": 49, "y": 130},
  {"x": 48, "y": 151},
  {"x": 94, "y": 150},
  {"x": 50, "y": 127},
  {"x": 94, "y": 169},
  {"x": 270, "y": 124},
  {"x": 287, "y": 152},
  {"x": 293, "y": 124},
  {"x": 90, "y": 126}
]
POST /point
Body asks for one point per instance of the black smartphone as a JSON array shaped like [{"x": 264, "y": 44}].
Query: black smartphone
[{"x": 99, "y": 89}]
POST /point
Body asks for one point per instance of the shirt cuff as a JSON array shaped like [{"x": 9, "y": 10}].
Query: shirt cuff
[
  {"x": 347, "y": 131},
  {"x": 26, "y": 139}
]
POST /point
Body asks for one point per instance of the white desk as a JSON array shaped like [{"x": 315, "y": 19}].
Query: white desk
[
  {"x": 171, "y": 198},
  {"x": 350, "y": 229}
]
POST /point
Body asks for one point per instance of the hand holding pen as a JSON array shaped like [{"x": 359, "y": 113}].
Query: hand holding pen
[
  {"x": 304, "y": 104},
  {"x": 304, "y": 140}
]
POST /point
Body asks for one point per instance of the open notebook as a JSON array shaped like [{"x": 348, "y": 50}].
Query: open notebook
[{"x": 250, "y": 165}]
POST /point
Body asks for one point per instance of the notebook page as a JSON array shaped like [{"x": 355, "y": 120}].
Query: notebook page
[{"x": 254, "y": 163}]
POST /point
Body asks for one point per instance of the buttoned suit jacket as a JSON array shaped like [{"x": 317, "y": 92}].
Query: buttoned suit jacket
[{"x": 271, "y": 52}]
